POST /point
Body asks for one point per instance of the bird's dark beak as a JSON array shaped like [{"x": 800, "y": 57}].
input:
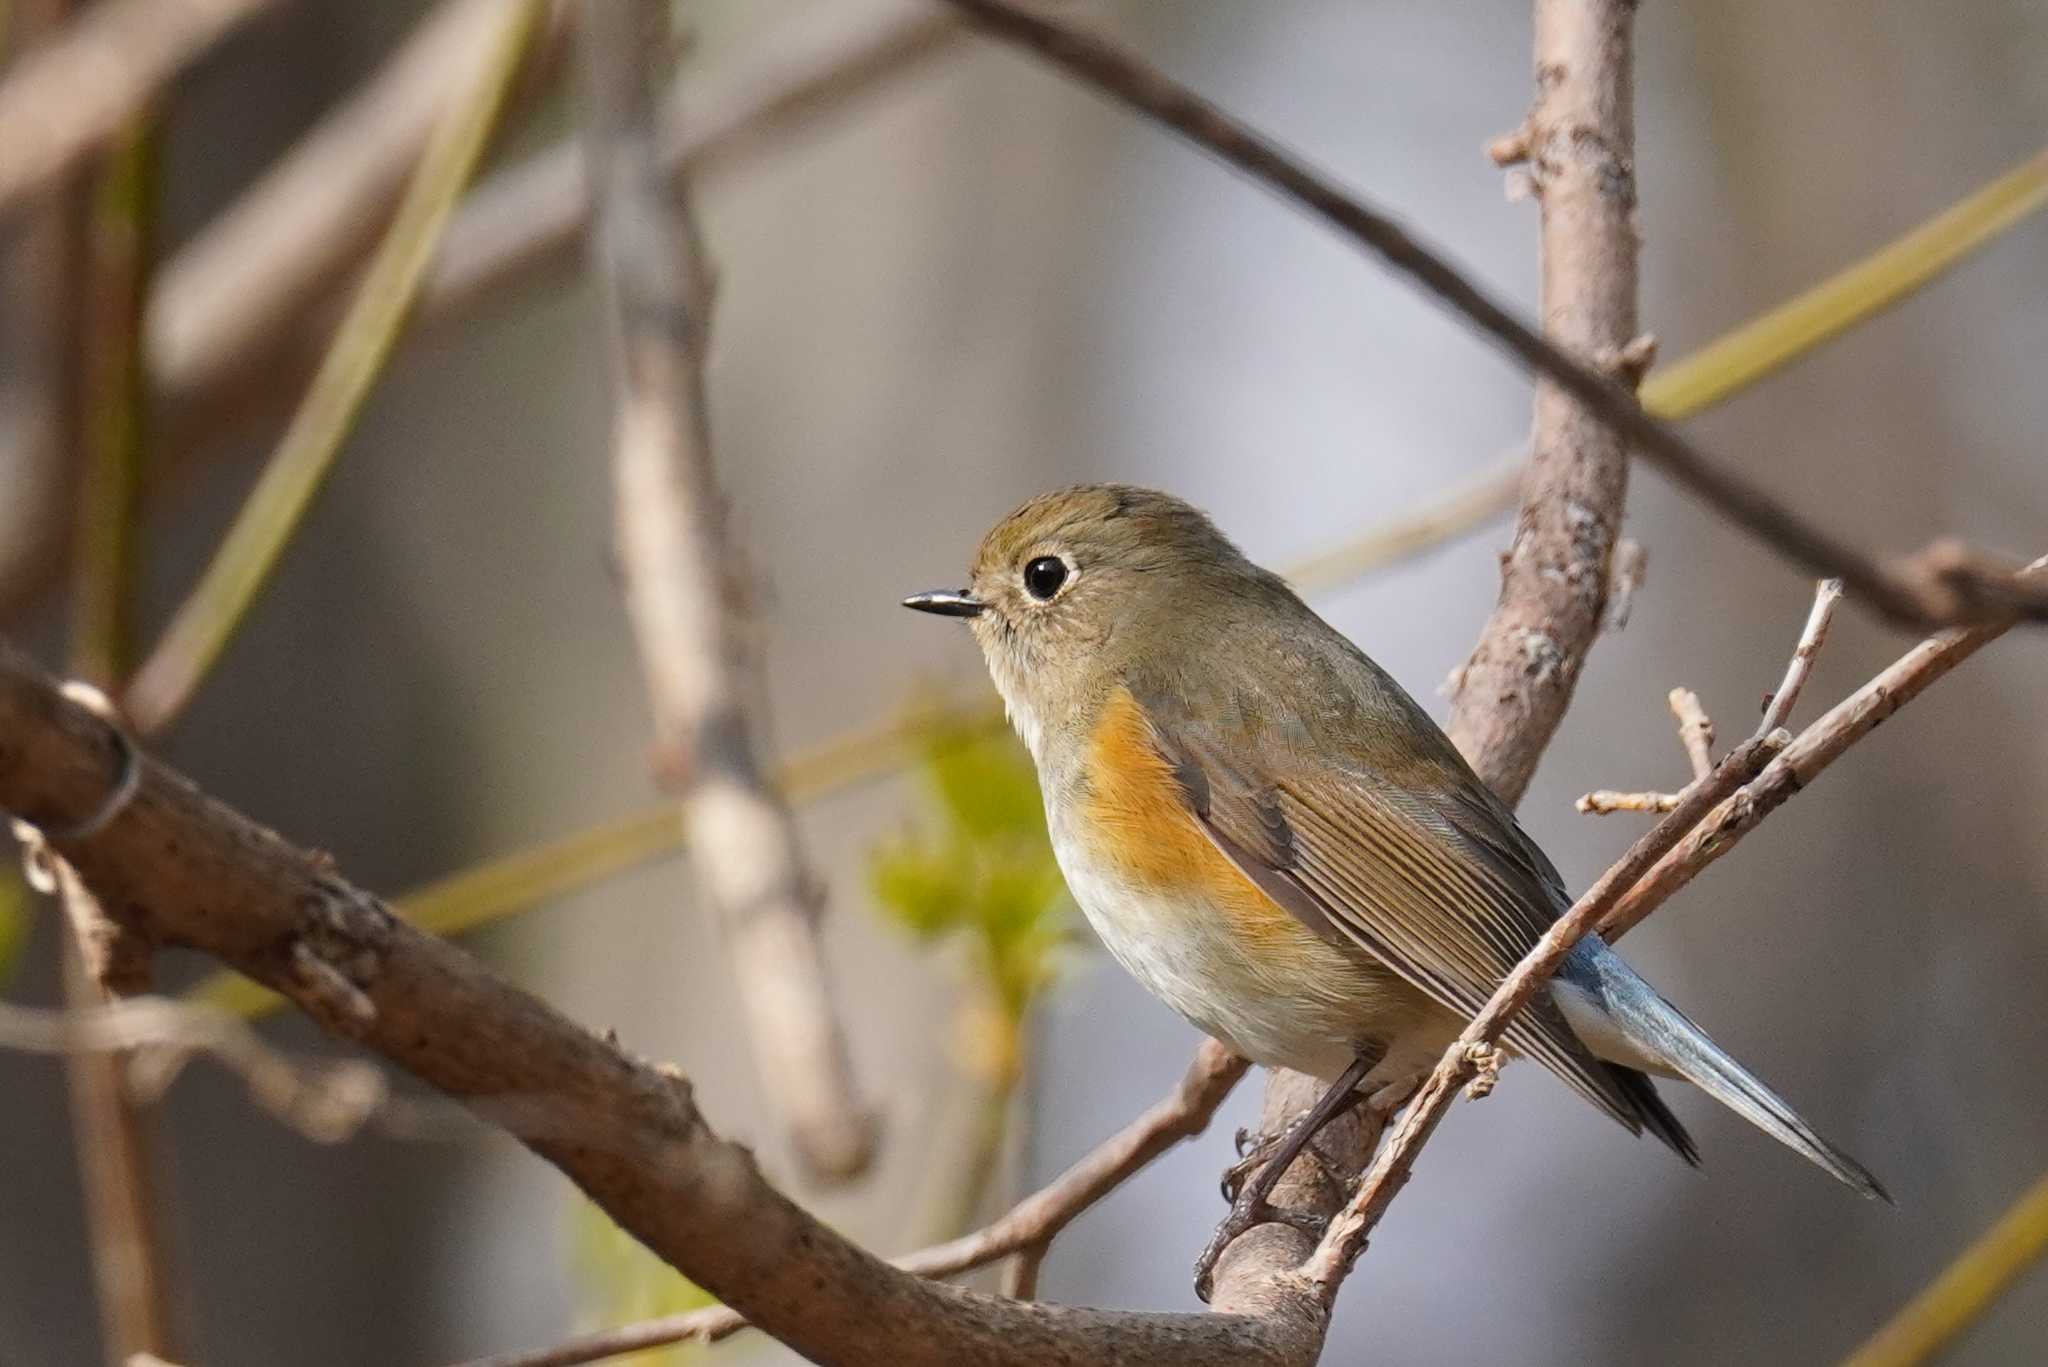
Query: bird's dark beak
[{"x": 946, "y": 603}]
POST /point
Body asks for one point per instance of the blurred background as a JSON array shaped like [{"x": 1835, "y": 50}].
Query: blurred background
[{"x": 982, "y": 283}]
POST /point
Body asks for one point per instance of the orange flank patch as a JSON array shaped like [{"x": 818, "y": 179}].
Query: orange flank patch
[{"x": 1137, "y": 822}]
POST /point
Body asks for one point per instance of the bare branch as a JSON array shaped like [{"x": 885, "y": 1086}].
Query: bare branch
[
  {"x": 1606, "y": 801},
  {"x": 1027, "y": 1229},
  {"x": 1818, "y": 746},
  {"x": 185, "y": 870},
  {"x": 1474, "y": 1049},
  {"x": 1947, "y": 582},
  {"x": 681, "y": 592},
  {"x": 523, "y": 225},
  {"x": 74, "y": 94},
  {"x": 1778, "y": 706},
  {"x": 326, "y": 1104}
]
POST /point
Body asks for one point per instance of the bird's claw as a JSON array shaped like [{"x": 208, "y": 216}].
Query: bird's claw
[{"x": 1246, "y": 1214}]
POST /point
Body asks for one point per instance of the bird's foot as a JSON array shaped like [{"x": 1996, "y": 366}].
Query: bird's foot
[
  {"x": 1249, "y": 1208},
  {"x": 1253, "y": 1153}
]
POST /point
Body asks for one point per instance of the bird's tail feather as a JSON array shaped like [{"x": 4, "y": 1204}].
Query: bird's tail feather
[{"x": 1660, "y": 1034}]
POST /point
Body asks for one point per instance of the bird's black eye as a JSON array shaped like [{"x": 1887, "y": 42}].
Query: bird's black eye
[{"x": 1043, "y": 577}]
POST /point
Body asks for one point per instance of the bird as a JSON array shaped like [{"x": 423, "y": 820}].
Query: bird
[{"x": 1273, "y": 837}]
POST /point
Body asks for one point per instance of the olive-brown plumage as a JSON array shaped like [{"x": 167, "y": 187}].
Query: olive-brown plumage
[{"x": 1274, "y": 838}]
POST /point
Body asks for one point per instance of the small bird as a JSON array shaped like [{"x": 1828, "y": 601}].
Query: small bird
[{"x": 1271, "y": 835}]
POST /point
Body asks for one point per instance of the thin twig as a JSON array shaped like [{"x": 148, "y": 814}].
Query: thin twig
[
  {"x": 1606, "y": 801},
  {"x": 1695, "y": 730},
  {"x": 1947, "y": 582},
  {"x": 116, "y": 1145},
  {"x": 1965, "y": 1289},
  {"x": 152, "y": 1038},
  {"x": 209, "y": 617},
  {"x": 1778, "y": 706},
  {"x": 77, "y": 92},
  {"x": 1027, "y": 1229},
  {"x": 1346, "y": 1237},
  {"x": 679, "y": 575},
  {"x": 1818, "y": 746}
]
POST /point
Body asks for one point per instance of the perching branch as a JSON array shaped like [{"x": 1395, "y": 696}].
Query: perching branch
[
  {"x": 1944, "y": 583},
  {"x": 73, "y": 95},
  {"x": 1474, "y": 1050},
  {"x": 186, "y": 871},
  {"x": 1027, "y": 1227},
  {"x": 682, "y": 596},
  {"x": 1818, "y": 746}
]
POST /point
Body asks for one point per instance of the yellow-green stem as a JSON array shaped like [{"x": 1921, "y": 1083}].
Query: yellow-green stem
[
  {"x": 1966, "y": 1288},
  {"x": 122, "y": 225},
  {"x": 209, "y": 618}
]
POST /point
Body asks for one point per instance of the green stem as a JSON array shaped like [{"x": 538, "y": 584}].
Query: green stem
[
  {"x": 122, "y": 226},
  {"x": 1966, "y": 1288},
  {"x": 209, "y": 618}
]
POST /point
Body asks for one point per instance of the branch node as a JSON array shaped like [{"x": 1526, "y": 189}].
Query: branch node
[
  {"x": 1510, "y": 148},
  {"x": 1630, "y": 361},
  {"x": 1695, "y": 730},
  {"x": 339, "y": 1000},
  {"x": 127, "y": 780},
  {"x": 1486, "y": 1061}
]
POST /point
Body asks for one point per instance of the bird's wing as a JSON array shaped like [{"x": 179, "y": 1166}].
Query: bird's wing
[{"x": 1436, "y": 881}]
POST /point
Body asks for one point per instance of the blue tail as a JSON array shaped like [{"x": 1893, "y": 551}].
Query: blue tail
[{"x": 1623, "y": 1020}]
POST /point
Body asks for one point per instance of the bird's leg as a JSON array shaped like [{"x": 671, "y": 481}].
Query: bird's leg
[{"x": 1269, "y": 1161}]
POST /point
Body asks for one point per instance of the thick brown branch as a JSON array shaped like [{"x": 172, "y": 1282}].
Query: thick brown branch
[
  {"x": 74, "y": 94},
  {"x": 1029, "y": 1225},
  {"x": 185, "y": 870},
  {"x": 1554, "y": 579},
  {"x": 680, "y": 577},
  {"x": 1945, "y": 583}
]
